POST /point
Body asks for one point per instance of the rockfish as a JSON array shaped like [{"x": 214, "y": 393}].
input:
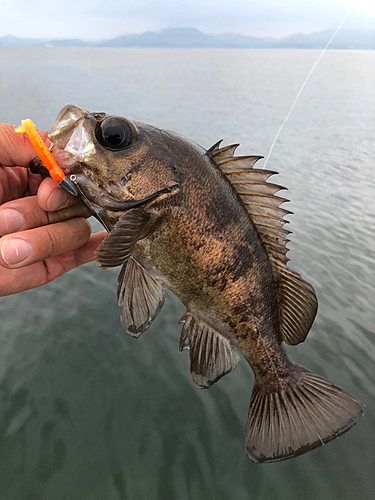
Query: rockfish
[{"x": 208, "y": 226}]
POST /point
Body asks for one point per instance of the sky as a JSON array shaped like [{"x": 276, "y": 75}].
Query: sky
[{"x": 100, "y": 19}]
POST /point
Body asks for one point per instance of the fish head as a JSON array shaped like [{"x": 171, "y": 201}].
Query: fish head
[{"x": 116, "y": 164}]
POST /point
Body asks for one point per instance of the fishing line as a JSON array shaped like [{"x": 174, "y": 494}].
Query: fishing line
[{"x": 304, "y": 85}]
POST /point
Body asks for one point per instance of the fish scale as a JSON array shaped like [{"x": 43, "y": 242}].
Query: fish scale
[{"x": 208, "y": 226}]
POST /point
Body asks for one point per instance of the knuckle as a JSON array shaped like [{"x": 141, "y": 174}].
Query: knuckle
[
  {"x": 61, "y": 237},
  {"x": 51, "y": 240}
]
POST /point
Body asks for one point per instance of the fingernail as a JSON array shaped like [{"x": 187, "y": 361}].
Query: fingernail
[
  {"x": 57, "y": 199},
  {"x": 10, "y": 221},
  {"x": 15, "y": 250}
]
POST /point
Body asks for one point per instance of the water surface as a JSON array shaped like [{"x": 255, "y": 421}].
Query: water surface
[{"x": 87, "y": 412}]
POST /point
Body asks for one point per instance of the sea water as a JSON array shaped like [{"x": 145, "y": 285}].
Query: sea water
[{"x": 89, "y": 413}]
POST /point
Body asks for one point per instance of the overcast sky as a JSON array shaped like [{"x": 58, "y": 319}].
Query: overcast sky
[{"x": 98, "y": 19}]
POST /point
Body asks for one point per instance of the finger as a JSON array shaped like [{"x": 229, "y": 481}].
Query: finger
[
  {"x": 40, "y": 273},
  {"x": 26, "y": 247},
  {"x": 25, "y": 213},
  {"x": 34, "y": 181},
  {"x": 13, "y": 182},
  {"x": 53, "y": 197},
  {"x": 81, "y": 255},
  {"x": 16, "y": 149}
]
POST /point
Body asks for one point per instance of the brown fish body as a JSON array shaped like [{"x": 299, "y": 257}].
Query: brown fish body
[
  {"x": 208, "y": 252},
  {"x": 207, "y": 226}
]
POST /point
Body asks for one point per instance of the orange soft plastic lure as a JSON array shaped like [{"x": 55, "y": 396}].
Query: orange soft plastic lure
[
  {"x": 45, "y": 155},
  {"x": 41, "y": 149}
]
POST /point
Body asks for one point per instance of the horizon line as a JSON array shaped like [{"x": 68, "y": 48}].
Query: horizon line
[{"x": 184, "y": 29}]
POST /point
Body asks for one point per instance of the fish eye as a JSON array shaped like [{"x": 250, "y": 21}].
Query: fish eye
[{"x": 115, "y": 133}]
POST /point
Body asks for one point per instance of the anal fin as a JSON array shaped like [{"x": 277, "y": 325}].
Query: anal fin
[
  {"x": 211, "y": 355},
  {"x": 140, "y": 297}
]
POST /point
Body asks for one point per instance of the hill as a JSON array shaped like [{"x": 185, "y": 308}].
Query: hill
[{"x": 193, "y": 38}]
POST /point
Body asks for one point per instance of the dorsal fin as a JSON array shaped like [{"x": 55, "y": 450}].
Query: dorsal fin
[
  {"x": 297, "y": 298},
  {"x": 298, "y": 303},
  {"x": 222, "y": 153},
  {"x": 258, "y": 196}
]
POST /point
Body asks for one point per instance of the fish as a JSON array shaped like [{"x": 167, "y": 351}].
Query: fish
[{"x": 208, "y": 226}]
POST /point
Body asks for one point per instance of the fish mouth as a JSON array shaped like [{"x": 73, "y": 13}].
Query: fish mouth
[
  {"x": 110, "y": 203},
  {"x": 71, "y": 142},
  {"x": 103, "y": 200},
  {"x": 66, "y": 123}
]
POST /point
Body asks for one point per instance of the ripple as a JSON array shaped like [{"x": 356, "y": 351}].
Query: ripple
[{"x": 88, "y": 412}]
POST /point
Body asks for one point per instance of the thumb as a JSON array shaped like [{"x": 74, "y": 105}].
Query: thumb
[{"x": 16, "y": 149}]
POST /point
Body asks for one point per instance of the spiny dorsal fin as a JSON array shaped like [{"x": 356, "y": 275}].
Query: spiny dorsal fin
[
  {"x": 211, "y": 355},
  {"x": 222, "y": 153},
  {"x": 236, "y": 164},
  {"x": 258, "y": 196},
  {"x": 297, "y": 298},
  {"x": 140, "y": 297}
]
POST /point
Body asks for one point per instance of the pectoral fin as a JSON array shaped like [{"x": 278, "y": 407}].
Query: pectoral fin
[
  {"x": 139, "y": 294},
  {"x": 117, "y": 248},
  {"x": 211, "y": 355},
  {"x": 140, "y": 297}
]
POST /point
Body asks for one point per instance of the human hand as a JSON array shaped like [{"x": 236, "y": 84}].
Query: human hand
[{"x": 43, "y": 229}]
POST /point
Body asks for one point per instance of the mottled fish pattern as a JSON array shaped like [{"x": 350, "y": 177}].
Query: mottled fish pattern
[{"x": 208, "y": 226}]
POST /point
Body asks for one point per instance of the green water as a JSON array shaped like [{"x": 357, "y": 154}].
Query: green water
[{"x": 88, "y": 413}]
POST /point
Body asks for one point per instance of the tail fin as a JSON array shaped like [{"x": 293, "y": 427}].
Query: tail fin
[{"x": 308, "y": 412}]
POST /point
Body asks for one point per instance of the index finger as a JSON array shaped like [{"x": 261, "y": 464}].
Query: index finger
[
  {"x": 52, "y": 197},
  {"x": 16, "y": 149}
]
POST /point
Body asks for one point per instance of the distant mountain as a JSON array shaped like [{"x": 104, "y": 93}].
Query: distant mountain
[
  {"x": 193, "y": 38},
  {"x": 13, "y": 41},
  {"x": 176, "y": 38},
  {"x": 231, "y": 40},
  {"x": 345, "y": 39}
]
